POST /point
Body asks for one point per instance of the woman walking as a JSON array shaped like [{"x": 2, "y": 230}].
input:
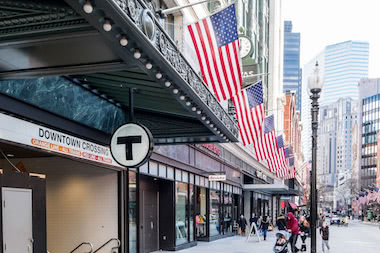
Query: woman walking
[
  {"x": 304, "y": 228},
  {"x": 293, "y": 229}
]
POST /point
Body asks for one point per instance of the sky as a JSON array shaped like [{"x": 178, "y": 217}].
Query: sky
[{"x": 326, "y": 22}]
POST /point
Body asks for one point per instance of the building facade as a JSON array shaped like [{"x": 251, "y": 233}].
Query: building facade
[
  {"x": 100, "y": 68},
  {"x": 369, "y": 127},
  {"x": 292, "y": 72},
  {"x": 335, "y": 140}
]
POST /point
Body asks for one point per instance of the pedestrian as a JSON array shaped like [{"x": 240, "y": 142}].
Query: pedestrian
[
  {"x": 304, "y": 229},
  {"x": 324, "y": 231},
  {"x": 252, "y": 221},
  {"x": 293, "y": 229},
  {"x": 264, "y": 226},
  {"x": 243, "y": 224},
  {"x": 281, "y": 222}
]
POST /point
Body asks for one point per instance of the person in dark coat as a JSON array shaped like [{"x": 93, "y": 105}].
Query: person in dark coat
[
  {"x": 281, "y": 222},
  {"x": 293, "y": 229},
  {"x": 264, "y": 226},
  {"x": 243, "y": 224}
]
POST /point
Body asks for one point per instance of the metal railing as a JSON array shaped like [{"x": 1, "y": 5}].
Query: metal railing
[
  {"x": 80, "y": 245},
  {"x": 106, "y": 243}
]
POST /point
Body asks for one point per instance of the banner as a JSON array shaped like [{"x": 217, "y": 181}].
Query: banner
[{"x": 27, "y": 133}]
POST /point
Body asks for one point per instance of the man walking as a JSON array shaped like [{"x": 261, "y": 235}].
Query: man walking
[{"x": 324, "y": 231}]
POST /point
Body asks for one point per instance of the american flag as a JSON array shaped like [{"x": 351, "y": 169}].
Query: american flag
[
  {"x": 266, "y": 145},
  {"x": 291, "y": 172},
  {"x": 249, "y": 107},
  {"x": 216, "y": 44},
  {"x": 286, "y": 151},
  {"x": 279, "y": 164}
]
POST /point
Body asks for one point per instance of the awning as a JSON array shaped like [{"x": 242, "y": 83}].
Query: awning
[
  {"x": 276, "y": 189},
  {"x": 293, "y": 205},
  {"x": 118, "y": 47}
]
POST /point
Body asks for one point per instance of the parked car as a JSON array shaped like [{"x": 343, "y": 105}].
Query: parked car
[{"x": 335, "y": 220}]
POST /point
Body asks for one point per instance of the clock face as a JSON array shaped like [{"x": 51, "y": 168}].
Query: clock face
[{"x": 245, "y": 46}]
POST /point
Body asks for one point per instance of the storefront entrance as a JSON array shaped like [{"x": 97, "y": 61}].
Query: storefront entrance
[{"x": 149, "y": 213}]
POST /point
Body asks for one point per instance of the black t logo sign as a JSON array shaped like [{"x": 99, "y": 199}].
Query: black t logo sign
[{"x": 128, "y": 141}]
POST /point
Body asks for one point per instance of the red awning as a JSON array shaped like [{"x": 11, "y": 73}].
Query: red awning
[{"x": 293, "y": 205}]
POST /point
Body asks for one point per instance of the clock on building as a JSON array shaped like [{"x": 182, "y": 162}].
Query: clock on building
[{"x": 245, "y": 46}]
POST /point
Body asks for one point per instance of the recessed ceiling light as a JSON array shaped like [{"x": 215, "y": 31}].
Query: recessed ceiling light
[{"x": 10, "y": 155}]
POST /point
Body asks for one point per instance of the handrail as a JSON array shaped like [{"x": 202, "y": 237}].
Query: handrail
[
  {"x": 80, "y": 245},
  {"x": 110, "y": 240}
]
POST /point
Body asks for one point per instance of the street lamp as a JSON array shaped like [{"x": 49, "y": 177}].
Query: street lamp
[{"x": 315, "y": 87}]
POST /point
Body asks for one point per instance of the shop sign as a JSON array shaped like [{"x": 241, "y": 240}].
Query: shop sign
[
  {"x": 213, "y": 148},
  {"x": 217, "y": 178},
  {"x": 27, "y": 133},
  {"x": 261, "y": 175},
  {"x": 131, "y": 145},
  {"x": 285, "y": 198},
  {"x": 250, "y": 74}
]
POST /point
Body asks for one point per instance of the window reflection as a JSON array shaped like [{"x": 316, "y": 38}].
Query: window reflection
[{"x": 182, "y": 213}]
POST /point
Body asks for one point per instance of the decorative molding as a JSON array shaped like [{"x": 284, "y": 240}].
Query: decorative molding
[
  {"x": 164, "y": 44},
  {"x": 20, "y": 17}
]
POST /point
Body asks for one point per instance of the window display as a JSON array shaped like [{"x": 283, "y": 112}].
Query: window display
[
  {"x": 201, "y": 214},
  {"x": 182, "y": 213},
  {"x": 214, "y": 213}
]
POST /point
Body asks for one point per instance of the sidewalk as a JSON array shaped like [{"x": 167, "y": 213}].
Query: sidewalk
[{"x": 371, "y": 223}]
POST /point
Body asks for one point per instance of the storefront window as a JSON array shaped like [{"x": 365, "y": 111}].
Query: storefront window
[
  {"x": 214, "y": 213},
  {"x": 227, "y": 212},
  {"x": 200, "y": 219},
  {"x": 182, "y": 214},
  {"x": 132, "y": 207}
]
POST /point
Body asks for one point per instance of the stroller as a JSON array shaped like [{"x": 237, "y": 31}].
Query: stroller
[{"x": 281, "y": 245}]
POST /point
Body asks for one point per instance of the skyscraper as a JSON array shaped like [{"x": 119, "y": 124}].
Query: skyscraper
[
  {"x": 345, "y": 64},
  {"x": 341, "y": 65},
  {"x": 337, "y": 121},
  {"x": 292, "y": 72}
]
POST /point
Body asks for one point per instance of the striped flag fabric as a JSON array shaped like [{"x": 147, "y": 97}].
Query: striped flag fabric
[
  {"x": 291, "y": 172},
  {"x": 216, "y": 44},
  {"x": 266, "y": 146},
  {"x": 249, "y": 107},
  {"x": 287, "y": 153},
  {"x": 278, "y": 164}
]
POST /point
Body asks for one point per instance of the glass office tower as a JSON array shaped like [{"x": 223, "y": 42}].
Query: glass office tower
[{"x": 292, "y": 71}]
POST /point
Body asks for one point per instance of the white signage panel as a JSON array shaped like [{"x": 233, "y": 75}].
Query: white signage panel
[
  {"x": 27, "y": 133},
  {"x": 131, "y": 145},
  {"x": 217, "y": 178}
]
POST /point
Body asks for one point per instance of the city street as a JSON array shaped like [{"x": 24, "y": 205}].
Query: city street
[{"x": 356, "y": 238}]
